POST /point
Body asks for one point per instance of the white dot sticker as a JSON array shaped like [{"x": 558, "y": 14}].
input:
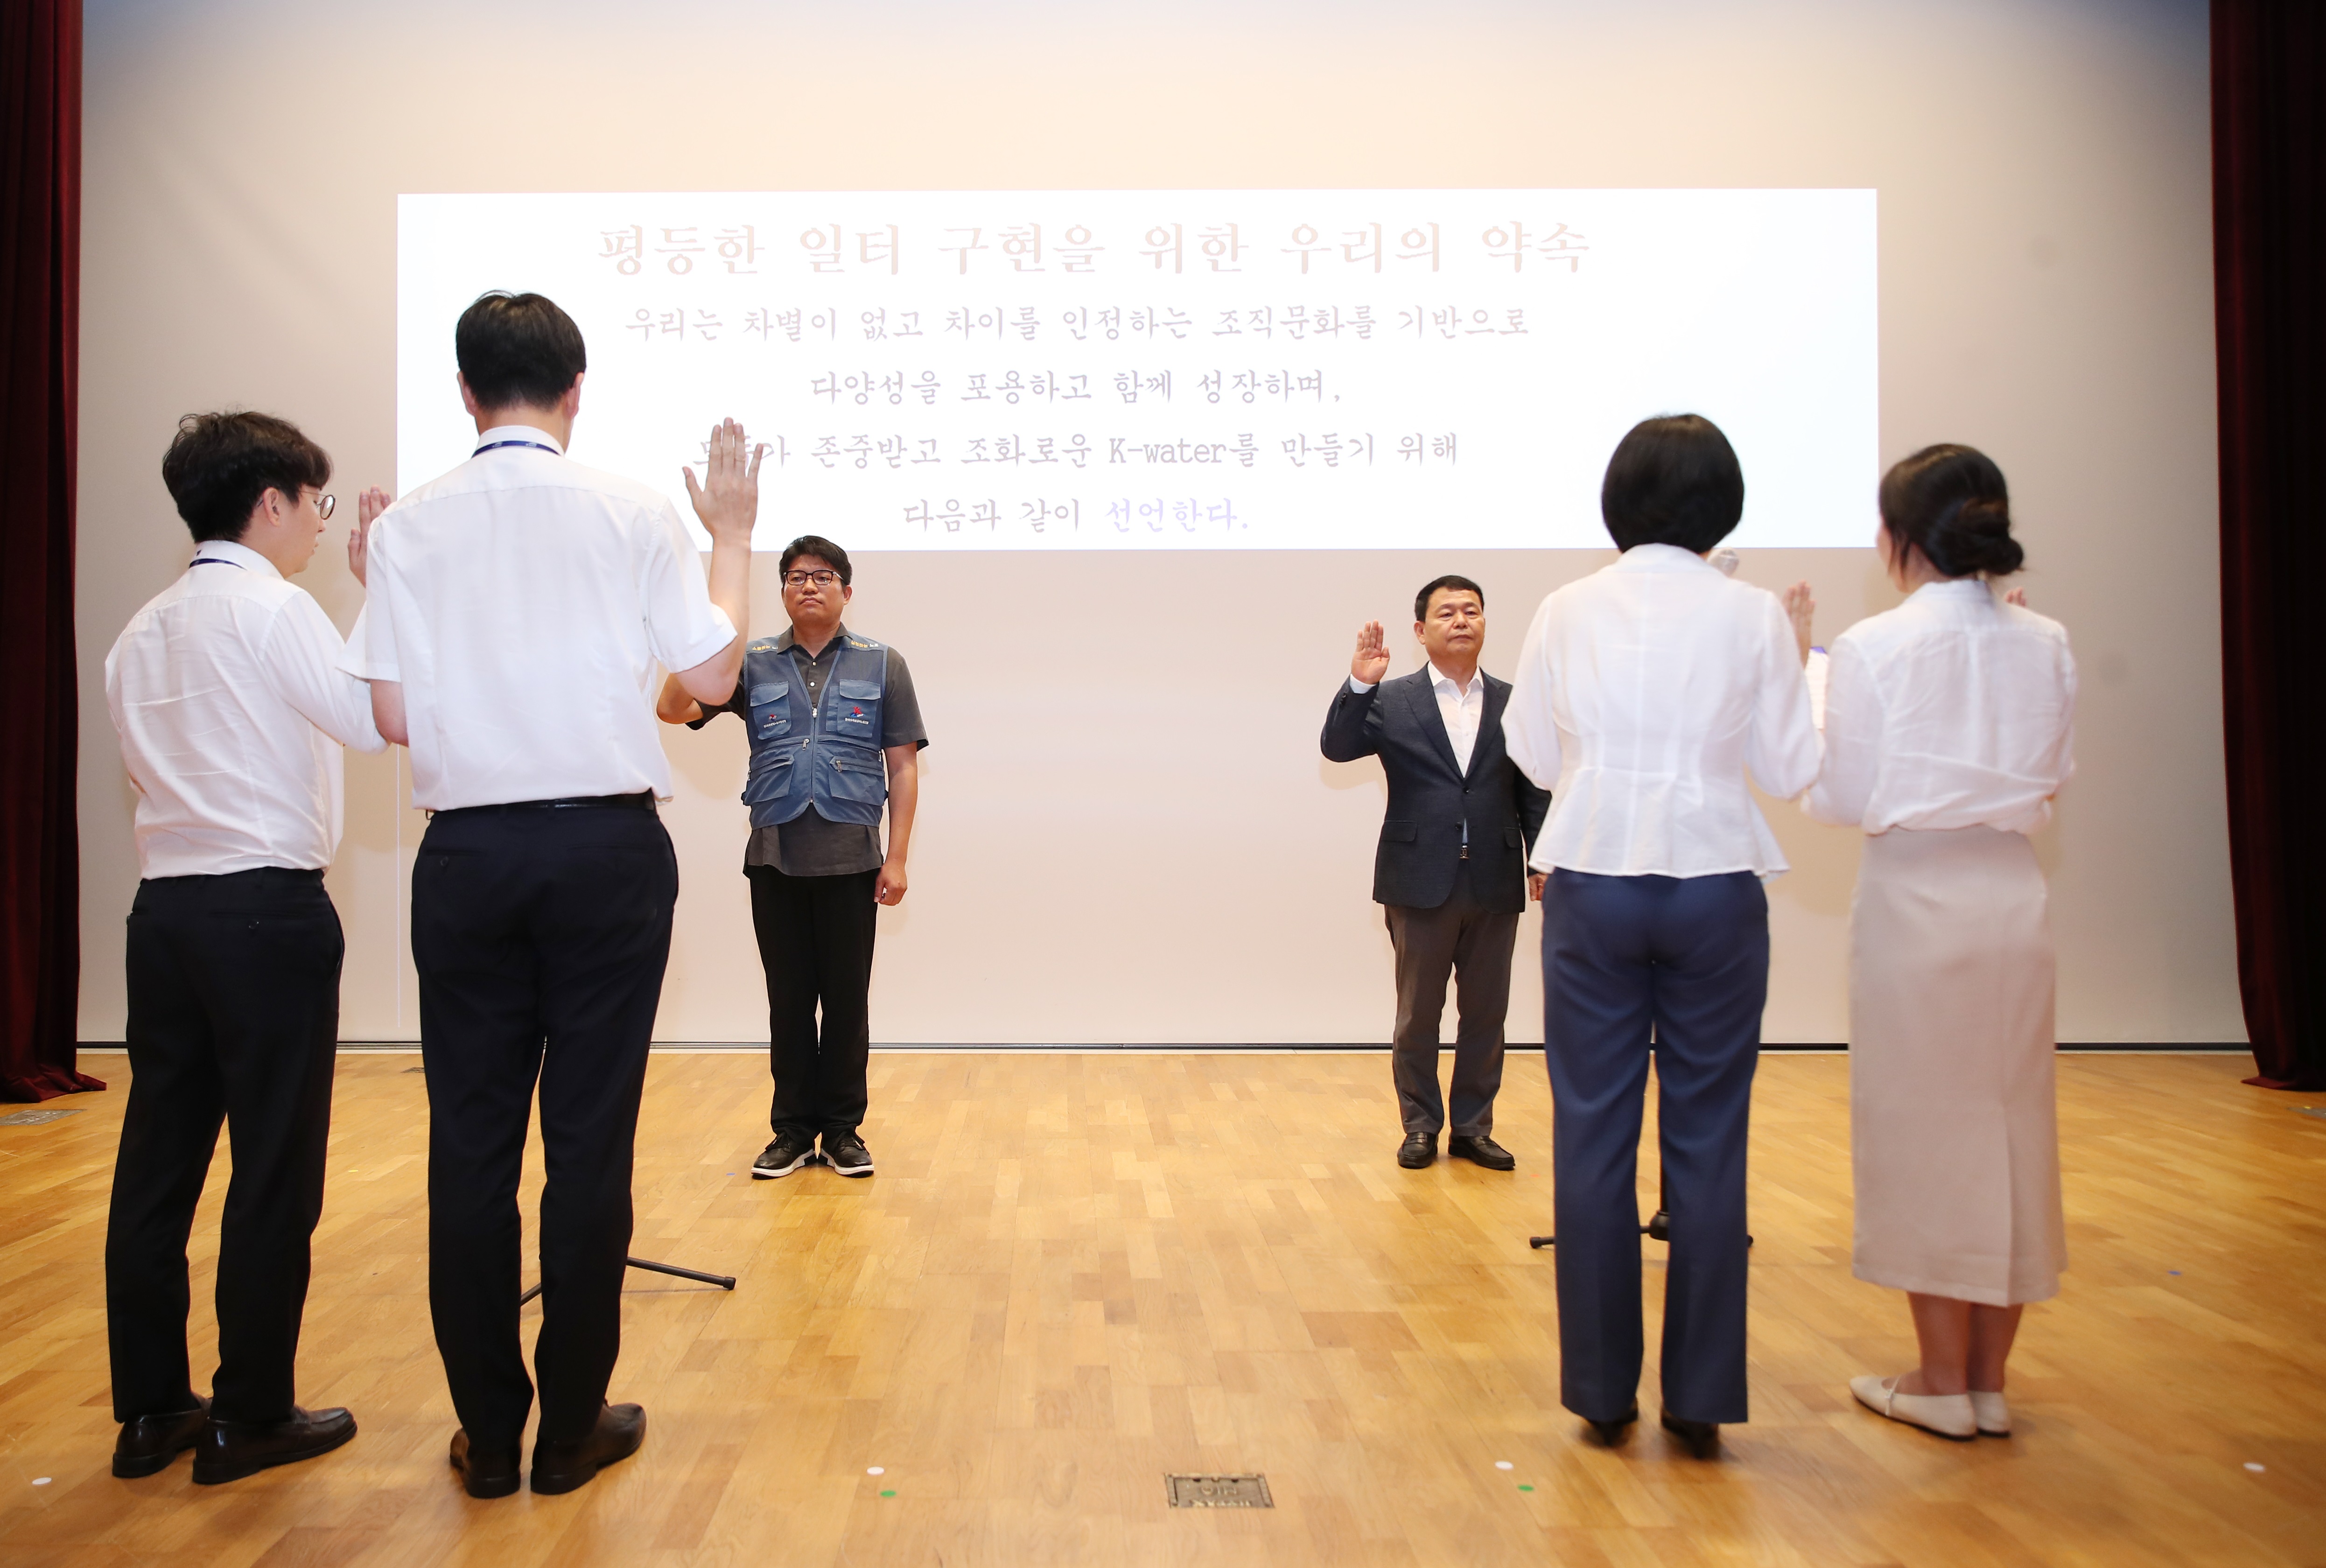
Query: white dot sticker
[
  {"x": 2256, "y": 1469},
  {"x": 875, "y": 1470},
  {"x": 40, "y": 1480},
  {"x": 1501, "y": 1464}
]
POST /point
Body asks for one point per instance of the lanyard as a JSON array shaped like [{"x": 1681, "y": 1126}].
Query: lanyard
[{"x": 496, "y": 446}]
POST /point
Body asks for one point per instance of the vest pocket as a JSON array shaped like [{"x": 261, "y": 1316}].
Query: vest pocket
[
  {"x": 853, "y": 707},
  {"x": 771, "y": 710},
  {"x": 858, "y": 779},
  {"x": 770, "y": 780}
]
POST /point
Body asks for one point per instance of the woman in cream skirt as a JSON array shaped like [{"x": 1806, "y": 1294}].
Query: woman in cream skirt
[{"x": 1948, "y": 727}]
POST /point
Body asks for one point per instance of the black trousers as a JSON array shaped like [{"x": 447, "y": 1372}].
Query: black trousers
[
  {"x": 540, "y": 936},
  {"x": 815, "y": 943},
  {"x": 234, "y": 1016}
]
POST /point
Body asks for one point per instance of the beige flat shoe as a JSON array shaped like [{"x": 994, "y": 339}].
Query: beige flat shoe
[
  {"x": 1993, "y": 1414},
  {"x": 1949, "y": 1416}
]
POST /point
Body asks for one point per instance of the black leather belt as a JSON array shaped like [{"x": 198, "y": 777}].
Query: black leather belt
[{"x": 643, "y": 801}]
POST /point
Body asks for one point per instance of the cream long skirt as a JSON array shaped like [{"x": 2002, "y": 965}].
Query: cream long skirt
[{"x": 1953, "y": 1132}]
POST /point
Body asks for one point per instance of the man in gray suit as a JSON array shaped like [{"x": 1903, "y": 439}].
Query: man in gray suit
[{"x": 1451, "y": 869}]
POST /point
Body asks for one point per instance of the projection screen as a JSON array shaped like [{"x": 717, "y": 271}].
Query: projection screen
[{"x": 1182, "y": 369}]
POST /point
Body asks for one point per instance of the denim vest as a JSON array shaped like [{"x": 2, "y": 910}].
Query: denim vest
[{"x": 827, "y": 756}]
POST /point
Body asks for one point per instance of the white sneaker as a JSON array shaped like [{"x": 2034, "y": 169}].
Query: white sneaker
[
  {"x": 1993, "y": 1414},
  {"x": 1949, "y": 1416}
]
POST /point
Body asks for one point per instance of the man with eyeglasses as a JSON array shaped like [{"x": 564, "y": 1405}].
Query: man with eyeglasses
[
  {"x": 232, "y": 711},
  {"x": 836, "y": 732}
]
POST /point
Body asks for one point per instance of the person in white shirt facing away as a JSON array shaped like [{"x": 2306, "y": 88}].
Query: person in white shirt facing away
[
  {"x": 1450, "y": 869},
  {"x": 520, "y": 607},
  {"x": 1643, "y": 696},
  {"x": 231, "y": 708},
  {"x": 1948, "y": 728}
]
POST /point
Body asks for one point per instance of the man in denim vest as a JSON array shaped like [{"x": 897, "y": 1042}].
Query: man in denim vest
[{"x": 836, "y": 732}]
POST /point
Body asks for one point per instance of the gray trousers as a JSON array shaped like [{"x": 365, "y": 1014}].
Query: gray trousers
[{"x": 1473, "y": 946}]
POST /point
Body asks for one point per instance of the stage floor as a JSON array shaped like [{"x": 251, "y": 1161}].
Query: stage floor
[{"x": 1076, "y": 1274}]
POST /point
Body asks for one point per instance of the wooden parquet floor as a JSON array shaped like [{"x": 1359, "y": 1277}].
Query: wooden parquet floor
[{"x": 1074, "y": 1274}]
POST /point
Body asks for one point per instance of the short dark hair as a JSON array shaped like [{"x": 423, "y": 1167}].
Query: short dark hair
[
  {"x": 1421, "y": 599},
  {"x": 823, "y": 550},
  {"x": 1674, "y": 479},
  {"x": 1949, "y": 502},
  {"x": 219, "y": 464},
  {"x": 517, "y": 350}
]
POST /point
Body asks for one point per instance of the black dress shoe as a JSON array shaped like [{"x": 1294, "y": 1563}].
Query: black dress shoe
[
  {"x": 1418, "y": 1150},
  {"x": 1702, "y": 1437},
  {"x": 1610, "y": 1433},
  {"x": 559, "y": 1467},
  {"x": 230, "y": 1450},
  {"x": 485, "y": 1473},
  {"x": 1481, "y": 1150},
  {"x": 148, "y": 1444}
]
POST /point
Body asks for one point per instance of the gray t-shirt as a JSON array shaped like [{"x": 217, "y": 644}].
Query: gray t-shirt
[{"x": 810, "y": 844}]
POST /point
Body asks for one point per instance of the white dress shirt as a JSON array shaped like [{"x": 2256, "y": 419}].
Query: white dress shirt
[
  {"x": 1461, "y": 707},
  {"x": 1642, "y": 695},
  {"x": 522, "y": 601},
  {"x": 1953, "y": 710},
  {"x": 231, "y": 706}
]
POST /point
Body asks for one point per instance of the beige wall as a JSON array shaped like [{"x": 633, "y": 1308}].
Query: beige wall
[{"x": 1127, "y": 832}]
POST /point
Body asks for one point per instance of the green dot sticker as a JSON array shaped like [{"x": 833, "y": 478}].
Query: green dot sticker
[
  {"x": 1524, "y": 1488},
  {"x": 889, "y": 1491}
]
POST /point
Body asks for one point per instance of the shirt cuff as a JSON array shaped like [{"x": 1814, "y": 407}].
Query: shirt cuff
[{"x": 1359, "y": 687}]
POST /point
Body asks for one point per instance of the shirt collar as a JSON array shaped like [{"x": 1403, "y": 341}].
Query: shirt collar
[
  {"x": 1438, "y": 677},
  {"x": 1662, "y": 558},
  {"x": 1955, "y": 587},
  {"x": 534, "y": 434},
  {"x": 242, "y": 555},
  {"x": 785, "y": 642}
]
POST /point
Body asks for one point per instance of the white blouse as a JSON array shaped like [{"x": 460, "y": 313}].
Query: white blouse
[
  {"x": 1642, "y": 695},
  {"x": 1953, "y": 710}
]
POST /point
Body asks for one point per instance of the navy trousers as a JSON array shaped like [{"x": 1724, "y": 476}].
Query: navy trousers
[{"x": 1678, "y": 968}]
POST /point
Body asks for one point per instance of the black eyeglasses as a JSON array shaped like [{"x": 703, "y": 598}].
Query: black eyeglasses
[{"x": 798, "y": 579}]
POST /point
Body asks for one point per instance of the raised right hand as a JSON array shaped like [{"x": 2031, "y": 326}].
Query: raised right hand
[
  {"x": 728, "y": 498},
  {"x": 1371, "y": 660},
  {"x": 1801, "y": 608}
]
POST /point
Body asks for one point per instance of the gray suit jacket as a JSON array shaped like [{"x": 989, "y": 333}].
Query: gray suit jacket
[{"x": 1430, "y": 799}]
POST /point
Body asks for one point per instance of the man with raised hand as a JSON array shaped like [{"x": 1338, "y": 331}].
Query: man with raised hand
[
  {"x": 1450, "y": 871},
  {"x": 519, "y": 606}
]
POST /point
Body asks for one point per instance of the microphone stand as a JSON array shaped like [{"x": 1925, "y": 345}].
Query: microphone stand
[
  {"x": 1657, "y": 1228},
  {"x": 724, "y": 1281}
]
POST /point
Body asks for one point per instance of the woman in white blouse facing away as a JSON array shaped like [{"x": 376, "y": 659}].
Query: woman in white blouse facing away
[
  {"x": 1948, "y": 727},
  {"x": 1645, "y": 694}
]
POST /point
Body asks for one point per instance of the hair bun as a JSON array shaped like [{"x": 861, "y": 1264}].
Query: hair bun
[{"x": 1973, "y": 535}]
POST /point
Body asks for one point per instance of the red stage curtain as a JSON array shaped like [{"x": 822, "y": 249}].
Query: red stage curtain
[
  {"x": 2269, "y": 268},
  {"x": 39, "y": 327}
]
